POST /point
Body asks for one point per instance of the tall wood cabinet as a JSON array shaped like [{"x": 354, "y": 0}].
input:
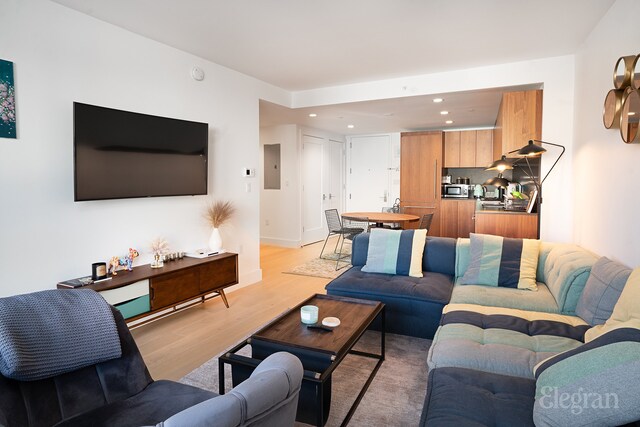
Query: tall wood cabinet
[
  {"x": 458, "y": 217},
  {"x": 421, "y": 156},
  {"x": 468, "y": 148},
  {"x": 519, "y": 120}
]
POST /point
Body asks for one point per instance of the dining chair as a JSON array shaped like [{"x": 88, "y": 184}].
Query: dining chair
[
  {"x": 425, "y": 221},
  {"x": 337, "y": 228},
  {"x": 351, "y": 227}
]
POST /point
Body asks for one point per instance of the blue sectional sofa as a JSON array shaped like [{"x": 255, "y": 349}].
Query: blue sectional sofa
[{"x": 497, "y": 351}]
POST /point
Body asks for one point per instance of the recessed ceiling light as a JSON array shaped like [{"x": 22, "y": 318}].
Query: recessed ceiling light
[
  {"x": 449, "y": 122},
  {"x": 313, "y": 115},
  {"x": 350, "y": 126},
  {"x": 444, "y": 113},
  {"x": 436, "y": 100}
]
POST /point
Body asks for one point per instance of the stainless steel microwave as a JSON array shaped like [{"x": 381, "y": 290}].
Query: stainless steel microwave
[{"x": 455, "y": 190}]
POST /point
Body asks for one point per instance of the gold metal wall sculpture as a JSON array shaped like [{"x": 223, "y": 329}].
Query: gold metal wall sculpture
[{"x": 622, "y": 104}]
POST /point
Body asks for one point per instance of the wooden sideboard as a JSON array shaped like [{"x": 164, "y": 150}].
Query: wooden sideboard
[{"x": 154, "y": 292}]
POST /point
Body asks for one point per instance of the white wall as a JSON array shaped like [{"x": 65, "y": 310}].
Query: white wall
[
  {"x": 607, "y": 172},
  {"x": 63, "y": 56},
  {"x": 280, "y": 215},
  {"x": 557, "y": 76}
]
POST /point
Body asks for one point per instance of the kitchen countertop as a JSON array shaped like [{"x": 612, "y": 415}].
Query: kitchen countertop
[{"x": 503, "y": 212}]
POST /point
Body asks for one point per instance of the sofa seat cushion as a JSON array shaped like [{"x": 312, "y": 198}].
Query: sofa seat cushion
[
  {"x": 510, "y": 342},
  {"x": 541, "y": 300},
  {"x": 148, "y": 407},
  {"x": 413, "y": 305},
  {"x": 435, "y": 287},
  {"x": 464, "y": 397}
]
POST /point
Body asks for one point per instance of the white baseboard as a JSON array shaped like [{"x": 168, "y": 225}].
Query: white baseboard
[
  {"x": 247, "y": 279},
  {"x": 286, "y": 243}
]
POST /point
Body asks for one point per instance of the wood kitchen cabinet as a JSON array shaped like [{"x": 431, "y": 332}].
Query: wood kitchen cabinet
[
  {"x": 507, "y": 224},
  {"x": 457, "y": 218},
  {"x": 421, "y": 156},
  {"x": 468, "y": 148},
  {"x": 519, "y": 120}
]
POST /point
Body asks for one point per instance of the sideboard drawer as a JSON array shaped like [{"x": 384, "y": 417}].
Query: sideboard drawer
[
  {"x": 126, "y": 293},
  {"x": 174, "y": 287},
  {"x": 218, "y": 275}
]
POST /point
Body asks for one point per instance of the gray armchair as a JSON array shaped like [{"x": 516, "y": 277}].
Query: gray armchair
[{"x": 67, "y": 359}]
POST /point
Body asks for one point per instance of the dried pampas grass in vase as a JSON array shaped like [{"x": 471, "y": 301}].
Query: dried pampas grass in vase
[{"x": 217, "y": 214}]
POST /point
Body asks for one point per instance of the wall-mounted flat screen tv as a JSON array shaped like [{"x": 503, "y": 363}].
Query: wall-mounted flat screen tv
[{"x": 120, "y": 154}]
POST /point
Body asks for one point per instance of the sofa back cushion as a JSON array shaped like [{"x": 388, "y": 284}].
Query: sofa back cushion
[
  {"x": 594, "y": 384},
  {"x": 395, "y": 252},
  {"x": 439, "y": 255},
  {"x": 566, "y": 271},
  {"x": 502, "y": 261},
  {"x": 625, "y": 313},
  {"x": 602, "y": 290}
]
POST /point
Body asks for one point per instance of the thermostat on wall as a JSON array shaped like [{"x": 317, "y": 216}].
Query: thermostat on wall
[{"x": 248, "y": 172}]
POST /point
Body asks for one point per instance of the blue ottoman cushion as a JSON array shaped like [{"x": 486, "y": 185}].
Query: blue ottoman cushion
[
  {"x": 414, "y": 305},
  {"x": 465, "y": 397}
]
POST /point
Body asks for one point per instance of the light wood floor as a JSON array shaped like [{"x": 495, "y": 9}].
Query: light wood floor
[{"x": 175, "y": 345}]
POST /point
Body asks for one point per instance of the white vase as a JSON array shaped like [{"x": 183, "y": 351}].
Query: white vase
[{"x": 215, "y": 241}]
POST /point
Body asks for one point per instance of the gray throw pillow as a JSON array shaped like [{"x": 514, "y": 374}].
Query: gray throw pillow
[{"x": 602, "y": 290}]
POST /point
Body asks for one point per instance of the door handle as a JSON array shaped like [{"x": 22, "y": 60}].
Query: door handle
[
  {"x": 330, "y": 196},
  {"x": 324, "y": 196},
  {"x": 435, "y": 178}
]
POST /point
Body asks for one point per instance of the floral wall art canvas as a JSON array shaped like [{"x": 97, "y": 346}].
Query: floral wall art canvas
[{"x": 7, "y": 101}]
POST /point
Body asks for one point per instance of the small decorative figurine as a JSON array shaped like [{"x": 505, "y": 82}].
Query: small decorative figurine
[
  {"x": 160, "y": 248},
  {"x": 123, "y": 263}
]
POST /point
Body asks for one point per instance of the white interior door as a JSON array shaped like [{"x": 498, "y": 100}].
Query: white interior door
[
  {"x": 369, "y": 173},
  {"x": 313, "y": 229},
  {"x": 333, "y": 171}
]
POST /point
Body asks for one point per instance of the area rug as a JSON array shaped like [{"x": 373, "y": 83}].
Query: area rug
[
  {"x": 324, "y": 267},
  {"x": 395, "y": 397}
]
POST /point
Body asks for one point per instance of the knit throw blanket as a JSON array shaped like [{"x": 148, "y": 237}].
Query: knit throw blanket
[{"x": 48, "y": 333}]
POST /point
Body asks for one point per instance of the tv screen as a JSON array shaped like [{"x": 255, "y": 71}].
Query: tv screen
[{"x": 121, "y": 154}]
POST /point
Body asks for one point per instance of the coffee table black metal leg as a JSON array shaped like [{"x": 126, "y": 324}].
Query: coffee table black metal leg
[
  {"x": 220, "y": 377},
  {"x": 320, "y": 413},
  {"x": 383, "y": 332}
]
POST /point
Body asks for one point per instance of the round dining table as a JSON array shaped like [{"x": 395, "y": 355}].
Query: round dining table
[{"x": 381, "y": 218}]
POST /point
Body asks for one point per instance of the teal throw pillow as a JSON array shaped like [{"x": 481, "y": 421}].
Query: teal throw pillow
[
  {"x": 395, "y": 252},
  {"x": 502, "y": 261}
]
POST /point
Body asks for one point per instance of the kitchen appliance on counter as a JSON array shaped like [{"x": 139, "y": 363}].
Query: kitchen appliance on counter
[
  {"x": 478, "y": 191},
  {"x": 460, "y": 191},
  {"x": 465, "y": 180},
  {"x": 493, "y": 193},
  {"x": 446, "y": 179}
]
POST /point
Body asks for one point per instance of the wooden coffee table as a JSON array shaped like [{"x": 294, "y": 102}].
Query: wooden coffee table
[{"x": 320, "y": 351}]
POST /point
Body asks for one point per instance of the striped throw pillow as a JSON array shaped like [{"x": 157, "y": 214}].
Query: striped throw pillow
[
  {"x": 395, "y": 252},
  {"x": 502, "y": 261}
]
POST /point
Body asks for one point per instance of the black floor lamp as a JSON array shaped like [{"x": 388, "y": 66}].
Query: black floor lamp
[{"x": 528, "y": 151}]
